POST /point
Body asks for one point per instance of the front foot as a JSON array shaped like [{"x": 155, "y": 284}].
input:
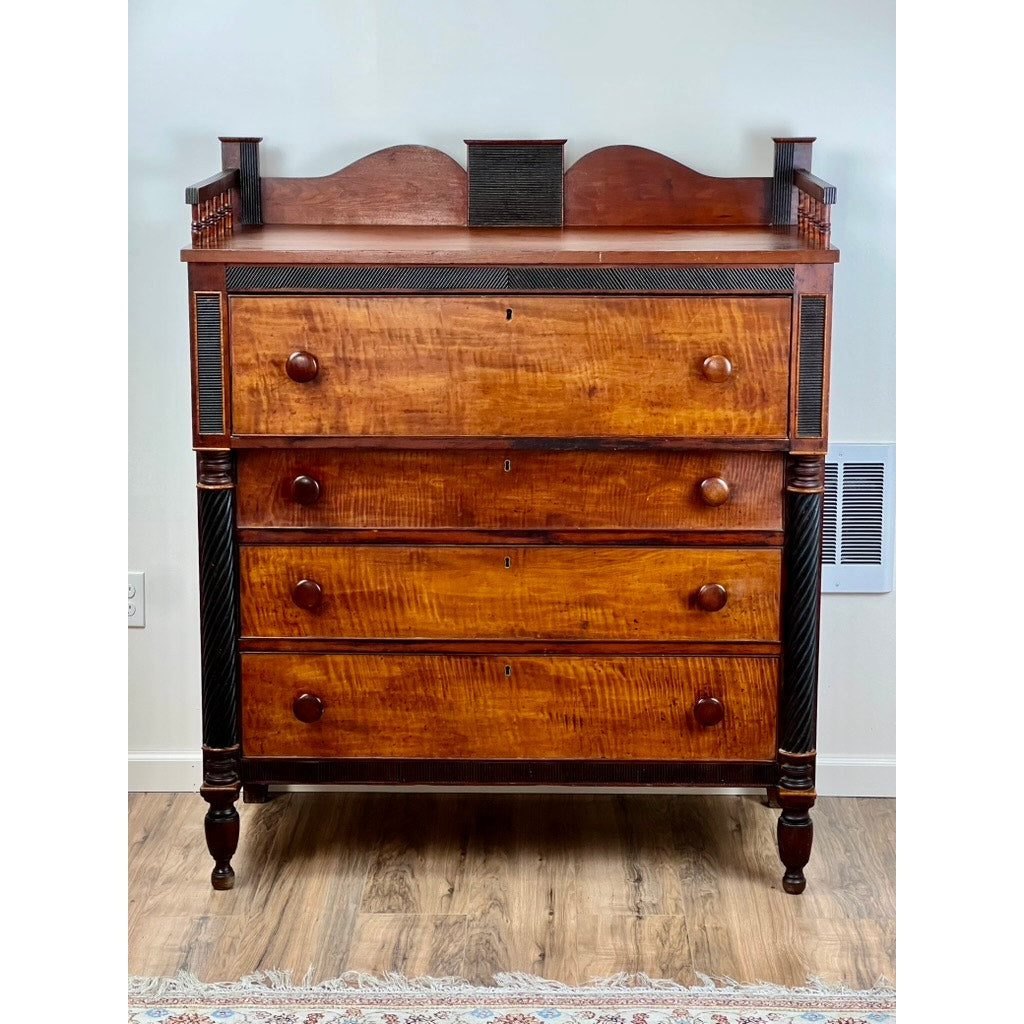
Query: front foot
[
  {"x": 222, "y": 827},
  {"x": 796, "y": 833}
]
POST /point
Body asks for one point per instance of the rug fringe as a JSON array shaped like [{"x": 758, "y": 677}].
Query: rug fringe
[{"x": 281, "y": 982}]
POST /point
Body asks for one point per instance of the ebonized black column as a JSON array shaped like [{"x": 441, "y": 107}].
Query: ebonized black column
[
  {"x": 218, "y": 611},
  {"x": 805, "y": 484}
]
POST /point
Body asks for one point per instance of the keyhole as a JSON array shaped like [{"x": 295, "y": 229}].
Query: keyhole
[
  {"x": 508, "y": 670},
  {"x": 508, "y": 314},
  {"x": 508, "y": 465},
  {"x": 508, "y": 562}
]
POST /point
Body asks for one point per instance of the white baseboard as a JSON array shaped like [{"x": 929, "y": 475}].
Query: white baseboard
[
  {"x": 165, "y": 771},
  {"x": 855, "y": 776},
  {"x": 181, "y": 772}
]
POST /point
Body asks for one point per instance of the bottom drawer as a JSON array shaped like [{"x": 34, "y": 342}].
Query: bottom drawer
[{"x": 486, "y": 706}]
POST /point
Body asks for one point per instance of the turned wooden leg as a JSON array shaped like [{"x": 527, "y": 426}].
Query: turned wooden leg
[
  {"x": 255, "y": 793},
  {"x": 222, "y": 826},
  {"x": 220, "y": 790},
  {"x": 796, "y": 832}
]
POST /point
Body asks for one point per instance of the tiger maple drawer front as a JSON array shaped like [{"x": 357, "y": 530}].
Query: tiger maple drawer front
[
  {"x": 502, "y": 592},
  {"x": 521, "y": 366},
  {"x": 462, "y": 706},
  {"x": 525, "y": 490}
]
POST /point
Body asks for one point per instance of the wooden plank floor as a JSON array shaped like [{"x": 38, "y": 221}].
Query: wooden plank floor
[{"x": 571, "y": 887}]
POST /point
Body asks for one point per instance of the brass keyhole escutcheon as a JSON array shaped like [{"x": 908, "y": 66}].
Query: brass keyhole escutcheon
[
  {"x": 508, "y": 465},
  {"x": 508, "y": 562}
]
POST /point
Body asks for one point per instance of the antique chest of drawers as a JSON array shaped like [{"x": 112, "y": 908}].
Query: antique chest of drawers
[{"x": 510, "y": 475}]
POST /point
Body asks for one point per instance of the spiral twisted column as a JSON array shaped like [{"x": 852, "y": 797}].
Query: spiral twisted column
[
  {"x": 798, "y": 704},
  {"x": 218, "y": 604}
]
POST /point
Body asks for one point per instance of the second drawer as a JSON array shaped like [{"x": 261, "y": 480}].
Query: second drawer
[
  {"x": 504, "y": 592},
  {"x": 518, "y": 490}
]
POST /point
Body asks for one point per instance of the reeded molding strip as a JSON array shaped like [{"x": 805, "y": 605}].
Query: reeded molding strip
[
  {"x": 398, "y": 771},
  {"x": 391, "y": 278}
]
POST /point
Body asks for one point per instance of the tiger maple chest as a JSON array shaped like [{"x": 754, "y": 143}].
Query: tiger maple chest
[{"x": 509, "y": 474}]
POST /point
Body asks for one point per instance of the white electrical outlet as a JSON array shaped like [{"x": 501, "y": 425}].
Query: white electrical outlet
[{"x": 137, "y": 599}]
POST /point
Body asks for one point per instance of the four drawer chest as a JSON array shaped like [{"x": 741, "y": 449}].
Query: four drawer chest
[{"x": 510, "y": 474}]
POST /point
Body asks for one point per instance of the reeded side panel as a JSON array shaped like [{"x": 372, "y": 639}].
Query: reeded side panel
[
  {"x": 209, "y": 372},
  {"x": 510, "y": 592},
  {"x": 463, "y": 706},
  {"x": 810, "y": 398}
]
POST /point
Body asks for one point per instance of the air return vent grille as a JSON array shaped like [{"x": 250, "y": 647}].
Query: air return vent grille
[{"x": 857, "y": 541}]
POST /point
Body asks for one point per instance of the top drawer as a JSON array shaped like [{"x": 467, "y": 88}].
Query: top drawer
[{"x": 519, "y": 366}]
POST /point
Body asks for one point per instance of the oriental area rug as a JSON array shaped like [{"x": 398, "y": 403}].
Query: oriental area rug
[{"x": 272, "y": 998}]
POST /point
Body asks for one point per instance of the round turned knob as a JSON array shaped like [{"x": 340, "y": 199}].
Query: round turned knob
[
  {"x": 716, "y": 369},
  {"x": 302, "y": 367},
  {"x": 714, "y": 490},
  {"x": 712, "y": 597},
  {"x": 308, "y": 707},
  {"x": 305, "y": 490},
  {"x": 308, "y": 594},
  {"x": 708, "y": 711}
]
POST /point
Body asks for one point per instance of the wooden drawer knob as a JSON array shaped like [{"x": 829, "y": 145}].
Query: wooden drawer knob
[
  {"x": 308, "y": 707},
  {"x": 305, "y": 490},
  {"x": 308, "y": 594},
  {"x": 708, "y": 711},
  {"x": 716, "y": 369},
  {"x": 302, "y": 367},
  {"x": 714, "y": 490},
  {"x": 712, "y": 597}
]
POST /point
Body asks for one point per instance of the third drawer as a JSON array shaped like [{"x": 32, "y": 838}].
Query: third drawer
[{"x": 494, "y": 592}]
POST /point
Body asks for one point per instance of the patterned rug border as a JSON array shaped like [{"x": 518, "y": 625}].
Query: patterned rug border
[
  {"x": 513, "y": 992},
  {"x": 507, "y": 983}
]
